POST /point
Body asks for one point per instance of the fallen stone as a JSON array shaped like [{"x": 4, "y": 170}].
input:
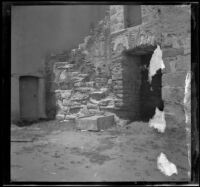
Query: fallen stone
[
  {"x": 60, "y": 116},
  {"x": 95, "y": 123}
]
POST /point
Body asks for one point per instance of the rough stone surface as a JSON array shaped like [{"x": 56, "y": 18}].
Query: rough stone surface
[
  {"x": 174, "y": 79},
  {"x": 102, "y": 61},
  {"x": 173, "y": 94},
  {"x": 175, "y": 110},
  {"x": 95, "y": 123}
]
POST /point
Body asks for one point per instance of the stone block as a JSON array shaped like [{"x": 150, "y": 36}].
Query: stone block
[
  {"x": 173, "y": 123},
  {"x": 95, "y": 123},
  {"x": 174, "y": 79},
  {"x": 183, "y": 63},
  {"x": 79, "y": 97},
  {"x": 101, "y": 80},
  {"x": 66, "y": 85},
  {"x": 117, "y": 76},
  {"x": 66, "y": 102},
  {"x": 119, "y": 103},
  {"x": 75, "y": 109},
  {"x": 65, "y": 93},
  {"x": 84, "y": 89},
  {"x": 89, "y": 84},
  {"x": 98, "y": 95},
  {"x": 116, "y": 87},
  {"x": 100, "y": 85},
  {"x": 170, "y": 52},
  {"x": 79, "y": 84},
  {"x": 120, "y": 95},
  {"x": 92, "y": 106},
  {"x": 60, "y": 116},
  {"x": 118, "y": 83},
  {"x": 177, "y": 63},
  {"x": 170, "y": 64},
  {"x": 175, "y": 94},
  {"x": 175, "y": 112}
]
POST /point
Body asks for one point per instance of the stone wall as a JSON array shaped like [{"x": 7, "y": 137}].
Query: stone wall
[
  {"x": 81, "y": 84},
  {"x": 127, "y": 45},
  {"x": 175, "y": 29},
  {"x": 103, "y": 73}
]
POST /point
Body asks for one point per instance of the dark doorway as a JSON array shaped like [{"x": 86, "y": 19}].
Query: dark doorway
[
  {"x": 150, "y": 93},
  {"x": 28, "y": 98},
  {"x": 140, "y": 97}
]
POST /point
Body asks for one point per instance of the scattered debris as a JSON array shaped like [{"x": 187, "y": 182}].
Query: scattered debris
[
  {"x": 165, "y": 166},
  {"x": 156, "y": 63},
  {"x": 158, "y": 121}
]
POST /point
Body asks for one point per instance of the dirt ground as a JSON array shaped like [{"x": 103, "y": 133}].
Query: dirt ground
[{"x": 55, "y": 151}]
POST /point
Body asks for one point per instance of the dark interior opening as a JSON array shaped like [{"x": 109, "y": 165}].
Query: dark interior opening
[
  {"x": 150, "y": 93},
  {"x": 140, "y": 97}
]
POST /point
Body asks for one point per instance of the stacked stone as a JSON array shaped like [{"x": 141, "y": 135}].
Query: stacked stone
[
  {"x": 97, "y": 74},
  {"x": 73, "y": 92},
  {"x": 51, "y": 85}
]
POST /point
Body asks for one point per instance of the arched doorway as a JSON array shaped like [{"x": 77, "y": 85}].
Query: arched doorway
[{"x": 29, "y": 109}]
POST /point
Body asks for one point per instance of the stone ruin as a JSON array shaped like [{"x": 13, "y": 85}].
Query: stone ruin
[{"x": 108, "y": 72}]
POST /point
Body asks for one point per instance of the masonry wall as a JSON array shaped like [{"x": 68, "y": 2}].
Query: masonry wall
[
  {"x": 80, "y": 84},
  {"x": 94, "y": 77},
  {"x": 176, "y": 38},
  {"x": 127, "y": 46}
]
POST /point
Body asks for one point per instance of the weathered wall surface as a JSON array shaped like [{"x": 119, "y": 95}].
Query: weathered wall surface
[
  {"x": 176, "y": 38},
  {"x": 137, "y": 40},
  {"x": 96, "y": 76},
  {"x": 80, "y": 83},
  {"x": 37, "y": 30}
]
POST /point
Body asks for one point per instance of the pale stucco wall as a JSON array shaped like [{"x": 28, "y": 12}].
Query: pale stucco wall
[{"x": 37, "y": 30}]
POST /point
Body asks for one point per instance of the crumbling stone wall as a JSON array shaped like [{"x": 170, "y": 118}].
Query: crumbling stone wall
[
  {"x": 82, "y": 84},
  {"x": 94, "y": 77},
  {"x": 126, "y": 74}
]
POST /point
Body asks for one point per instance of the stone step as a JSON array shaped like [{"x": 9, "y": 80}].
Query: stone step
[{"x": 95, "y": 123}]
